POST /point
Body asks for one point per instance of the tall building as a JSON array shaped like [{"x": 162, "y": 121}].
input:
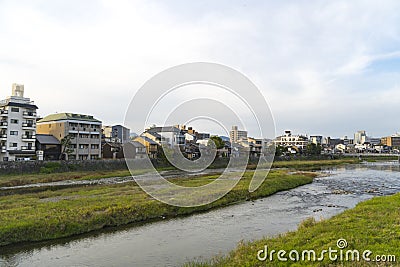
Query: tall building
[
  {"x": 121, "y": 133},
  {"x": 85, "y": 132},
  {"x": 237, "y": 135},
  {"x": 116, "y": 134},
  {"x": 360, "y": 137},
  {"x": 17, "y": 126}
]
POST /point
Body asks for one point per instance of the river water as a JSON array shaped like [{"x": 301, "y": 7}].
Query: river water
[{"x": 201, "y": 236}]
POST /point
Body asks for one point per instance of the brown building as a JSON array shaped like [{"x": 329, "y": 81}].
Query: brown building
[
  {"x": 84, "y": 130},
  {"x": 392, "y": 141},
  {"x": 151, "y": 146}
]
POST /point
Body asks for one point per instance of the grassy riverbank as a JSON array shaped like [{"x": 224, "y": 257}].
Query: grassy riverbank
[
  {"x": 71, "y": 211},
  {"x": 23, "y": 179},
  {"x": 372, "y": 225}
]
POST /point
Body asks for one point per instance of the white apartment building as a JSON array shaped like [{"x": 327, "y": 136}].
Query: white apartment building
[
  {"x": 289, "y": 140},
  {"x": 17, "y": 126},
  {"x": 169, "y": 135}
]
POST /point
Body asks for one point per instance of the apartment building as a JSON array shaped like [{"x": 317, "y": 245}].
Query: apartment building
[
  {"x": 170, "y": 135},
  {"x": 391, "y": 141},
  {"x": 116, "y": 134},
  {"x": 237, "y": 135},
  {"x": 290, "y": 140},
  {"x": 85, "y": 132},
  {"x": 17, "y": 126}
]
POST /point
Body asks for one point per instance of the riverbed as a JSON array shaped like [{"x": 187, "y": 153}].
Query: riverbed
[{"x": 201, "y": 236}]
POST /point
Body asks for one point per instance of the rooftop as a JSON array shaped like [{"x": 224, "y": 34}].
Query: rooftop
[
  {"x": 47, "y": 139},
  {"x": 68, "y": 116}
]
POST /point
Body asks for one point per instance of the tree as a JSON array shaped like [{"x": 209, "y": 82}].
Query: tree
[
  {"x": 66, "y": 147},
  {"x": 219, "y": 143},
  {"x": 313, "y": 149},
  {"x": 280, "y": 151}
]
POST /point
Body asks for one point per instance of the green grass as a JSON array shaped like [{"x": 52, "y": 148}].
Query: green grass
[
  {"x": 71, "y": 211},
  {"x": 313, "y": 164},
  {"x": 48, "y": 175},
  {"x": 372, "y": 225}
]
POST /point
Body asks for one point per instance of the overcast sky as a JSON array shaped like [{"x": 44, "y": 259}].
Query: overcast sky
[{"x": 325, "y": 67}]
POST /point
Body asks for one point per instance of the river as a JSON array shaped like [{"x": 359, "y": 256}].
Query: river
[{"x": 175, "y": 241}]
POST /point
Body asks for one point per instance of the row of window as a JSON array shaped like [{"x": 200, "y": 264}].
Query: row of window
[
  {"x": 30, "y": 145},
  {"x": 28, "y": 122},
  {"x": 91, "y": 136},
  {"x": 16, "y": 133},
  {"x": 85, "y": 146},
  {"x": 28, "y": 112},
  {"x": 83, "y": 157},
  {"x": 84, "y": 125}
]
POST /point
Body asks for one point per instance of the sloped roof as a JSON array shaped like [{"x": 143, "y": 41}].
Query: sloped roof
[
  {"x": 148, "y": 140},
  {"x": 68, "y": 116},
  {"x": 136, "y": 144},
  {"x": 47, "y": 139},
  {"x": 163, "y": 129}
]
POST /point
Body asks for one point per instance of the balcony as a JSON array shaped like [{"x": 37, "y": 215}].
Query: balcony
[
  {"x": 3, "y": 149},
  {"x": 3, "y": 136},
  {"x": 28, "y": 138},
  {"x": 3, "y": 124},
  {"x": 27, "y": 125},
  {"x": 29, "y": 114},
  {"x": 3, "y": 113},
  {"x": 27, "y": 148}
]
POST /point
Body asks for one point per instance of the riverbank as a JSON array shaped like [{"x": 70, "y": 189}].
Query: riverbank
[
  {"x": 372, "y": 225},
  {"x": 71, "y": 211},
  {"x": 24, "y": 179}
]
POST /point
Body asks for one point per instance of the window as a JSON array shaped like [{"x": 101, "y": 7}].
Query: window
[
  {"x": 14, "y": 121},
  {"x": 13, "y": 132},
  {"x": 14, "y": 109},
  {"x": 13, "y": 144}
]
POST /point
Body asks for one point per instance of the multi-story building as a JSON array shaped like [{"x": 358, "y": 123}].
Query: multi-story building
[
  {"x": 170, "y": 135},
  {"x": 237, "y": 135},
  {"x": 84, "y": 132},
  {"x": 116, "y": 133},
  {"x": 120, "y": 133},
  {"x": 17, "y": 126},
  {"x": 360, "y": 137},
  {"x": 289, "y": 140},
  {"x": 316, "y": 139},
  {"x": 391, "y": 141}
]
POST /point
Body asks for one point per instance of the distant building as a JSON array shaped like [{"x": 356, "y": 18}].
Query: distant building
[
  {"x": 48, "y": 147},
  {"x": 85, "y": 131},
  {"x": 289, "y": 140},
  {"x": 373, "y": 141},
  {"x": 17, "y": 126},
  {"x": 116, "y": 133},
  {"x": 360, "y": 137},
  {"x": 391, "y": 141},
  {"x": 121, "y": 133},
  {"x": 316, "y": 139},
  {"x": 170, "y": 135},
  {"x": 237, "y": 135},
  {"x": 150, "y": 145}
]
